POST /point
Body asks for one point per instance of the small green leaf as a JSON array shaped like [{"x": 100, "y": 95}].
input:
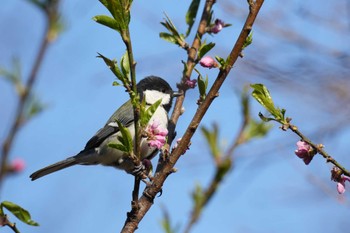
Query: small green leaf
[
  {"x": 115, "y": 83},
  {"x": 112, "y": 65},
  {"x": 126, "y": 144},
  {"x": 256, "y": 129},
  {"x": 120, "y": 147},
  {"x": 126, "y": 138},
  {"x": 204, "y": 49},
  {"x": 248, "y": 40},
  {"x": 107, "y": 21},
  {"x": 125, "y": 65},
  {"x": 198, "y": 198},
  {"x": 174, "y": 36},
  {"x": 266, "y": 119},
  {"x": 168, "y": 37},
  {"x": 19, "y": 212},
  {"x": 120, "y": 10},
  {"x": 33, "y": 107},
  {"x": 191, "y": 15},
  {"x": 221, "y": 61},
  {"x": 168, "y": 24},
  {"x": 223, "y": 167},
  {"x": 166, "y": 223},
  {"x": 262, "y": 95},
  {"x": 212, "y": 139},
  {"x": 202, "y": 85},
  {"x": 146, "y": 114}
]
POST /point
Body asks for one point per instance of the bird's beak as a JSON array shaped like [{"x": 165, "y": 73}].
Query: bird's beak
[{"x": 177, "y": 93}]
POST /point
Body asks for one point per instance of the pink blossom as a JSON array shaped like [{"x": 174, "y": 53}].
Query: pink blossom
[
  {"x": 17, "y": 165},
  {"x": 304, "y": 151},
  {"x": 341, "y": 184},
  {"x": 191, "y": 83},
  {"x": 217, "y": 27},
  {"x": 156, "y": 135},
  {"x": 208, "y": 62}
]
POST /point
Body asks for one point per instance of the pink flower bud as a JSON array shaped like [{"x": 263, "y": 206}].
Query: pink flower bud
[
  {"x": 340, "y": 188},
  {"x": 17, "y": 165},
  {"x": 341, "y": 184},
  {"x": 304, "y": 151},
  {"x": 208, "y": 62},
  {"x": 191, "y": 83},
  {"x": 217, "y": 27}
]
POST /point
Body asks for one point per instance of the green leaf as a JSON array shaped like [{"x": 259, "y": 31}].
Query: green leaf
[
  {"x": 204, "y": 49},
  {"x": 221, "y": 61},
  {"x": 166, "y": 223},
  {"x": 19, "y": 212},
  {"x": 14, "y": 76},
  {"x": 120, "y": 10},
  {"x": 33, "y": 107},
  {"x": 168, "y": 24},
  {"x": 212, "y": 139},
  {"x": 174, "y": 36},
  {"x": 112, "y": 65},
  {"x": 146, "y": 114},
  {"x": 266, "y": 119},
  {"x": 191, "y": 15},
  {"x": 168, "y": 37},
  {"x": 223, "y": 167},
  {"x": 107, "y": 21},
  {"x": 256, "y": 130},
  {"x": 125, "y": 138},
  {"x": 115, "y": 83},
  {"x": 262, "y": 95},
  {"x": 248, "y": 40},
  {"x": 198, "y": 198},
  {"x": 125, "y": 65},
  {"x": 120, "y": 147},
  {"x": 202, "y": 85}
]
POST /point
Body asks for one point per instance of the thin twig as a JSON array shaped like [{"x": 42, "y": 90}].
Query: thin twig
[
  {"x": 166, "y": 167},
  {"x": 6, "y": 222},
  {"x": 23, "y": 98},
  {"x": 319, "y": 150},
  {"x": 216, "y": 180}
]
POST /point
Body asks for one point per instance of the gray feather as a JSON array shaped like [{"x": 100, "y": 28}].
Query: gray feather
[{"x": 54, "y": 167}]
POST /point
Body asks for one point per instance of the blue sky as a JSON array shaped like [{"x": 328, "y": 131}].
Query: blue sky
[{"x": 270, "y": 190}]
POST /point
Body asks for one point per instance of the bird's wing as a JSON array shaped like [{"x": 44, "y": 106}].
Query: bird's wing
[{"x": 124, "y": 115}]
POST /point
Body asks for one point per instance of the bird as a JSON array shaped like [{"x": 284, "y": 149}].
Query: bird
[{"x": 96, "y": 151}]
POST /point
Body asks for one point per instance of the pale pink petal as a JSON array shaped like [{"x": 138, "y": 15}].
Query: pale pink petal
[{"x": 341, "y": 187}]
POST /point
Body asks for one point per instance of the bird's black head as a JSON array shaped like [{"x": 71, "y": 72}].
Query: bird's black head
[{"x": 155, "y": 88}]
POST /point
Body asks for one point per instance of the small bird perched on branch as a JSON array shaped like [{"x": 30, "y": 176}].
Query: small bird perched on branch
[{"x": 97, "y": 151}]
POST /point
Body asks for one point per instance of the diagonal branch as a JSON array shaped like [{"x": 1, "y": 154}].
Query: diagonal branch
[{"x": 166, "y": 167}]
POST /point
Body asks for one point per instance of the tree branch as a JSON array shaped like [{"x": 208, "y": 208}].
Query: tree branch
[
  {"x": 51, "y": 13},
  {"x": 165, "y": 167}
]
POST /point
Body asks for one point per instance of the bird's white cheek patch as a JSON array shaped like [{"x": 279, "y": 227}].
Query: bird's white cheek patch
[{"x": 153, "y": 96}]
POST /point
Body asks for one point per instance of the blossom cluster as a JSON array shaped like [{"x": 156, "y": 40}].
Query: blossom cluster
[
  {"x": 306, "y": 152},
  {"x": 156, "y": 135}
]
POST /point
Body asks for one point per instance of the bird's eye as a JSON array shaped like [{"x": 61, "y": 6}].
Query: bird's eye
[{"x": 163, "y": 90}]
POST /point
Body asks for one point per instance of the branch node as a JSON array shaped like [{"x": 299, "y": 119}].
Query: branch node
[{"x": 149, "y": 196}]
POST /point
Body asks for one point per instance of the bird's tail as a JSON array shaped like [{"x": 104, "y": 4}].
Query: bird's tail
[{"x": 54, "y": 167}]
